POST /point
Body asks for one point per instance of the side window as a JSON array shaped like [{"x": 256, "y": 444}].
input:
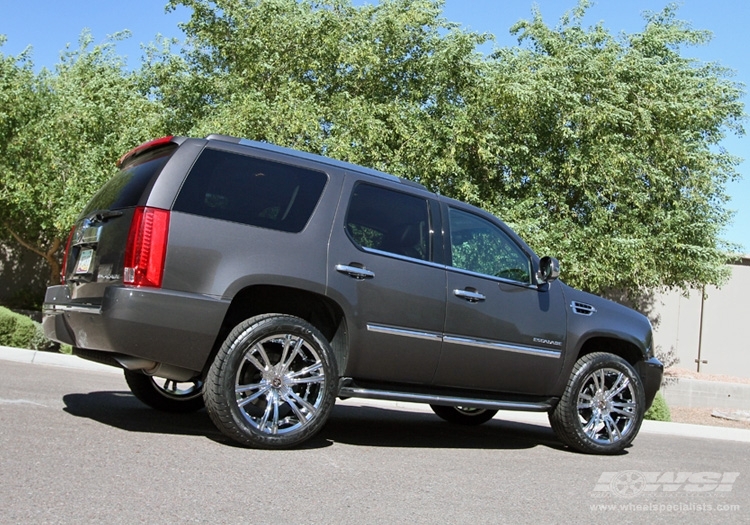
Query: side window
[
  {"x": 389, "y": 221},
  {"x": 479, "y": 246},
  {"x": 245, "y": 189}
]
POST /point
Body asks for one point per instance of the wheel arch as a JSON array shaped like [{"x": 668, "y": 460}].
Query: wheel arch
[
  {"x": 318, "y": 310},
  {"x": 612, "y": 345}
]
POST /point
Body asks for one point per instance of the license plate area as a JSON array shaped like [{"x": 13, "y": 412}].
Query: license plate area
[{"x": 85, "y": 262}]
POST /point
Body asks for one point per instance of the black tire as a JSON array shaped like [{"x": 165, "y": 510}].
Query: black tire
[
  {"x": 602, "y": 407},
  {"x": 463, "y": 415},
  {"x": 165, "y": 394},
  {"x": 273, "y": 383}
]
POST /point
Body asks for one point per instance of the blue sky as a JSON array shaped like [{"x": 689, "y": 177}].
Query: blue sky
[{"x": 48, "y": 26}]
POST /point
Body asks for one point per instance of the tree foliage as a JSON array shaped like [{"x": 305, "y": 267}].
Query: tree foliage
[
  {"x": 602, "y": 150},
  {"x": 607, "y": 151},
  {"x": 61, "y": 133}
]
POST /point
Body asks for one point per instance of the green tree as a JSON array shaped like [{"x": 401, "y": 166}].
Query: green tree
[
  {"x": 378, "y": 85},
  {"x": 606, "y": 151},
  {"x": 61, "y": 135}
]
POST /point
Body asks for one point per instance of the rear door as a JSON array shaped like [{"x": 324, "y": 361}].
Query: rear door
[
  {"x": 384, "y": 265},
  {"x": 502, "y": 332}
]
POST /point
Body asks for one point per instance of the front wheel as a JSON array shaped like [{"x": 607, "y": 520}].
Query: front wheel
[
  {"x": 463, "y": 415},
  {"x": 602, "y": 407},
  {"x": 165, "y": 394},
  {"x": 273, "y": 382}
]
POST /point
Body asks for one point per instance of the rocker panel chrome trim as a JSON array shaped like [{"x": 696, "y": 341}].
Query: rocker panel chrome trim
[{"x": 490, "y": 404}]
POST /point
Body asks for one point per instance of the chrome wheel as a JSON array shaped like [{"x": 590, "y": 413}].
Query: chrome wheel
[
  {"x": 601, "y": 409},
  {"x": 463, "y": 415},
  {"x": 273, "y": 382},
  {"x": 607, "y": 405},
  {"x": 166, "y": 394},
  {"x": 280, "y": 384},
  {"x": 177, "y": 389}
]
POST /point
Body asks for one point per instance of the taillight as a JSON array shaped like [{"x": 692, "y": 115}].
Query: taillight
[
  {"x": 147, "y": 247},
  {"x": 65, "y": 255}
]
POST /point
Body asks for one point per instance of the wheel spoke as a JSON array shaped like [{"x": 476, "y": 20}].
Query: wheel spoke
[
  {"x": 590, "y": 428},
  {"x": 250, "y": 358},
  {"x": 307, "y": 406},
  {"x": 306, "y": 370},
  {"x": 292, "y": 402},
  {"x": 286, "y": 361},
  {"x": 275, "y": 426},
  {"x": 599, "y": 380},
  {"x": 262, "y": 389},
  {"x": 612, "y": 431},
  {"x": 584, "y": 401},
  {"x": 621, "y": 384},
  {"x": 624, "y": 409},
  {"x": 270, "y": 413},
  {"x": 307, "y": 380}
]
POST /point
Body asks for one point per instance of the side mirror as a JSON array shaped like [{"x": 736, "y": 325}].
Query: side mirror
[{"x": 549, "y": 270}]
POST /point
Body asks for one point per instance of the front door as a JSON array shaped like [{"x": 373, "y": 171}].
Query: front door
[{"x": 502, "y": 332}]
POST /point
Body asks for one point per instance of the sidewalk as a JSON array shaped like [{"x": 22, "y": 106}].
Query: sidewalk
[{"x": 533, "y": 418}]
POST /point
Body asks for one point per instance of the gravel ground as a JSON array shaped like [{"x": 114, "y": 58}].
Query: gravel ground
[{"x": 705, "y": 416}]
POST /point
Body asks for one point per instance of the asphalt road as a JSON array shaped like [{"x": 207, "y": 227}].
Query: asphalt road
[{"x": 76, "y": 446}]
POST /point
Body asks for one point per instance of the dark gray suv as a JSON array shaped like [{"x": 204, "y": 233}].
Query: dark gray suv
[{"x": 264, "y": 282}]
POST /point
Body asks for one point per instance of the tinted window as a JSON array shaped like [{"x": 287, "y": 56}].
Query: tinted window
[
  {"x": 125, "y": 189},
  {"x": 479, "y": 246},
  {"x": 244, "y": 189},
  {"x": 389, "y": 221}
]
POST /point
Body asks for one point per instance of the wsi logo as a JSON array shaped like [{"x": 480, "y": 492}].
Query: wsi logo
[{"x": 630, "y": 483}]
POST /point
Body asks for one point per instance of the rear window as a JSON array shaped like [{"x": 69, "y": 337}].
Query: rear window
[
  {"x": 125, "y": 189},
  {"x": 389, "y": 221},
  {"x": 248, "y": 190}
]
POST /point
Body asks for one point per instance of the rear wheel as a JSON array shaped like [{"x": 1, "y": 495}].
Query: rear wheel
[
  {"x": 463, "y": 415},
  {"x": 273, "y": 382},
  {"x": 166, "y": 394},
  {"x": 602, "y": 407}
]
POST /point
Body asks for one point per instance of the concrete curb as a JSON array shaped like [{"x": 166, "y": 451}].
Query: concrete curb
[
  {"x": 20, "y": 355},
  {"x": 648, "y": 427}
]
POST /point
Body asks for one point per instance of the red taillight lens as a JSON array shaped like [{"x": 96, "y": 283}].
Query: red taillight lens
[
  {"x": 65, "y": 255},
  {"x": 147, "y": 247}
]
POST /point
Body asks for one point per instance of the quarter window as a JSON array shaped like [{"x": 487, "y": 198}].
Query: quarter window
[
  {"x": 253, "y": 191},
  {"x": 479, "y": 246},
  {"x": 389, "y": 221}
]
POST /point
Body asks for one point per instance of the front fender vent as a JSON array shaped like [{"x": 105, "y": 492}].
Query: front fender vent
[{"x": 582, "y": 308}]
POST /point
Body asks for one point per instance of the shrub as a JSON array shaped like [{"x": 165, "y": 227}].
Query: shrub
[
  {"x": 19, "y": 331},
  {"x": 659, "y": 410}
]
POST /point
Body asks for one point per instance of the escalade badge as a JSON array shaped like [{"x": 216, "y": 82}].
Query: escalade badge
[{"x": 547, "y": 342}]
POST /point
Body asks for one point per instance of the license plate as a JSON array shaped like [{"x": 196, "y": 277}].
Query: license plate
[{"x": 84, "y": 261}]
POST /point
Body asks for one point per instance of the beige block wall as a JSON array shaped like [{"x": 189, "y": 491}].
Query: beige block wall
[{"x": 724, "y": 343}]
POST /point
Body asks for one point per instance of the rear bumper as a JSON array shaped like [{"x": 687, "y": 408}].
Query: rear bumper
[
  {"x": 167, "y": 327},
  {"x": 651, "y": 372}
]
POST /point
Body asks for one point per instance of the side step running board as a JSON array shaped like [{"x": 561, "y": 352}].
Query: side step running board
[{"x": 468, "y": 402}]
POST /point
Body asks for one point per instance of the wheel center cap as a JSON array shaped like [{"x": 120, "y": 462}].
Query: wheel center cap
[{"x": 276, "y": 382}]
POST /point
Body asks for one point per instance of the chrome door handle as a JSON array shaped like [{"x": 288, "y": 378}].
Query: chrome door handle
[
  {"x": 355, "y": 271},
  {"x": 470, "y": 295}
]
